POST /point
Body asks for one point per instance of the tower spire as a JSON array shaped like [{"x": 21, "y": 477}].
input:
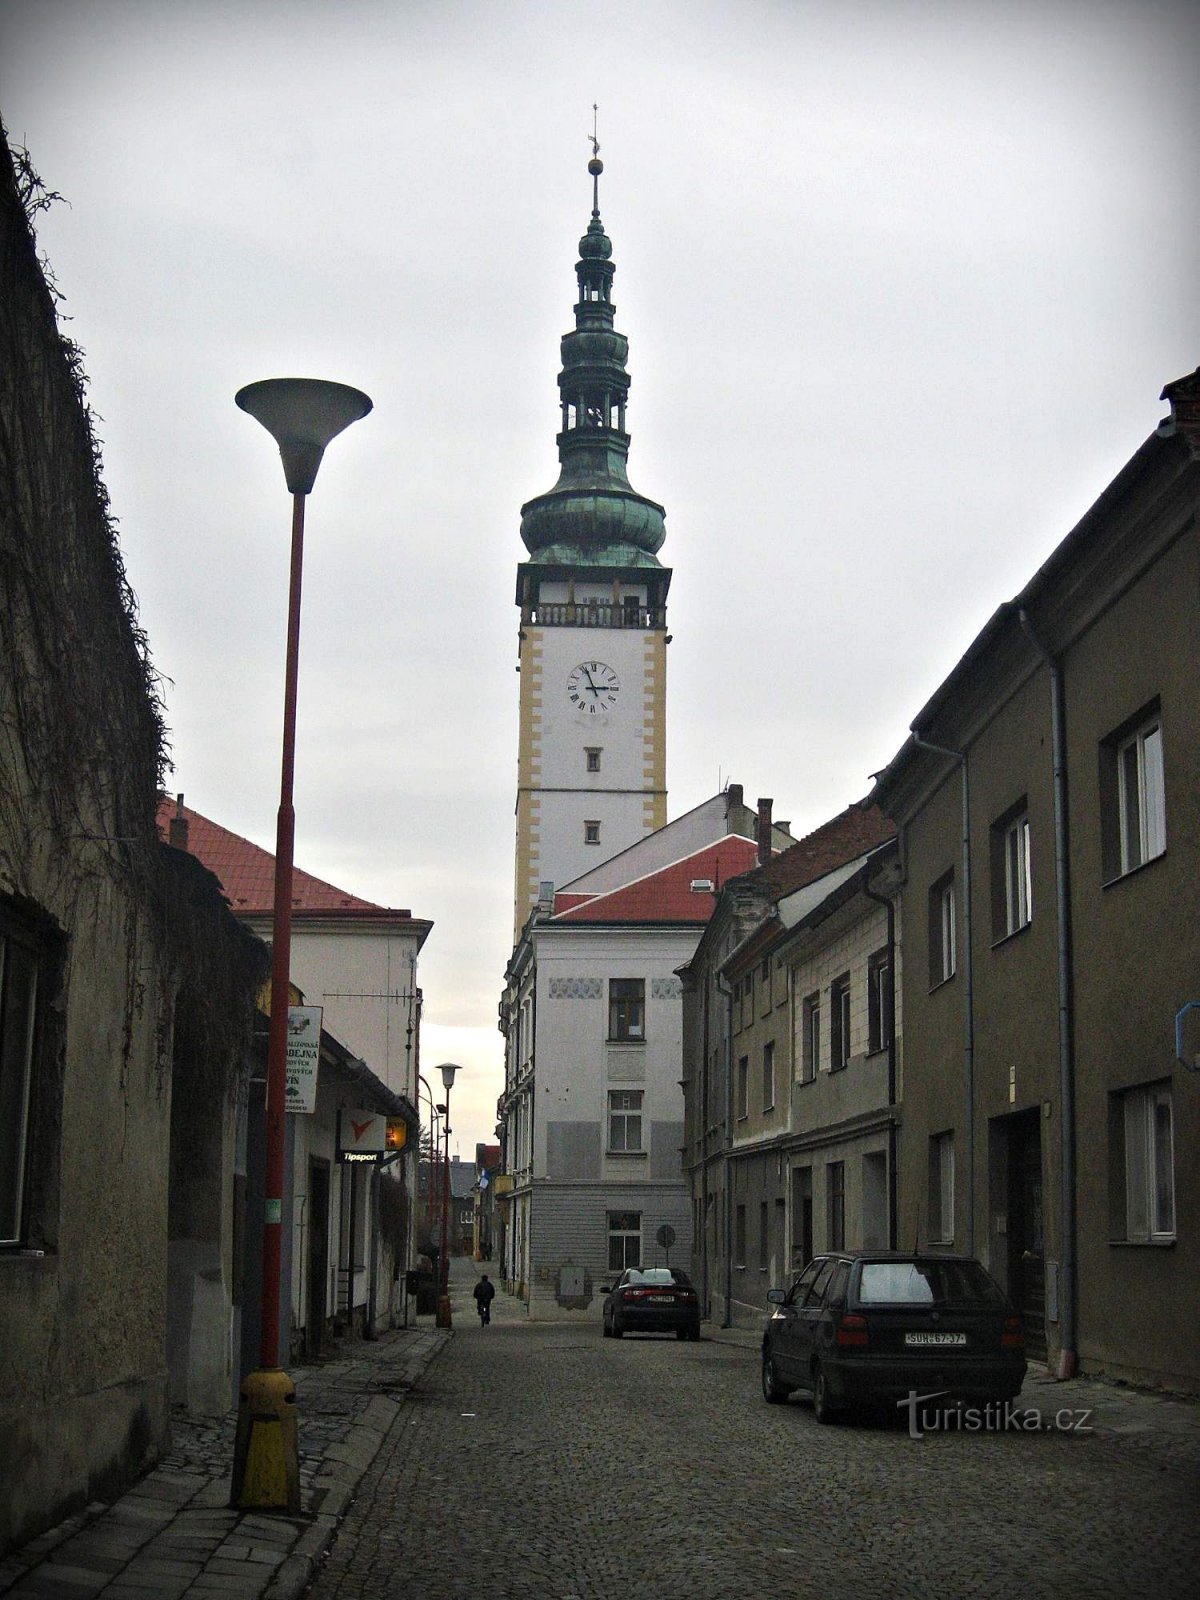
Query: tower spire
[{"x": 593, "y": 517}]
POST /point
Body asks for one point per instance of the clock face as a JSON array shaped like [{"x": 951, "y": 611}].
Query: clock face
[{"x": 593, "y": 687}]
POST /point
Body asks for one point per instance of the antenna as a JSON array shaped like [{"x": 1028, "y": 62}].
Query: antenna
[{"x": 595, "y": 165}]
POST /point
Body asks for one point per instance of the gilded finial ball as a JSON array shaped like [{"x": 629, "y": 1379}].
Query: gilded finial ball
[{"x": 595, "y": 166}]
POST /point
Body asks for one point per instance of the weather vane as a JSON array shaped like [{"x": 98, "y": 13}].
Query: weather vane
[{"x": 595, "y": 165}]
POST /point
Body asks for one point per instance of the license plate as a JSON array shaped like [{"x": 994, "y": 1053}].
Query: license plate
[
  {"x": 937, "y": 1339},
  {"x": 664, "y": 1299}
]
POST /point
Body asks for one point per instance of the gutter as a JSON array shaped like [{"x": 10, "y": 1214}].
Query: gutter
[
  {"x": 888, "y": 905},
  {"x": 725, "y": 988},
  {"x": 1068, "y": 1354},
  {"x": 968, "y": 981}
]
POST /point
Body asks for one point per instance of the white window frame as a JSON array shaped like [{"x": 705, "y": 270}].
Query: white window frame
[
  {"x": 839, "y": 1023},
  {"x": 743, "y": 1088},
  {"x": 944, "y": 927},
  {"x": 624, "y": 1231},
  {"x": 768, "y": 1075},
  {"x": 591, "y": 832},
  {"x": 941, "y": 1187},
  {"x": 1141, "y": 796},
  {"x": 625, "y": 1121},
  {"x": 1149, "y": 1137},
  {"x": 627, "y": 1011},
  {"x": 1018, "y": 880},
  {"x": 810, "y": 1042}
]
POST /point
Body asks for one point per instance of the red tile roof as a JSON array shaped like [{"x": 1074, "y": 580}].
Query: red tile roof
[
  {"x": 667, "y": 895},
  {"x": 853, "y": 832},
  {"x": 247, "y": 872}
]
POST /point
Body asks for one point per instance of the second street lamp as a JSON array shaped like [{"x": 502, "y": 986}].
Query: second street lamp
[{"x": 447, "y": 1070}]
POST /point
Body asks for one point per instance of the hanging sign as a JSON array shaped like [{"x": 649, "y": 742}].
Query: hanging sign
[
  {"x": 303, "y": 1054},
  {"x": 362, "y": 1135}
]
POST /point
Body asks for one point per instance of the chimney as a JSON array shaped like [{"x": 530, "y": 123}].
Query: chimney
[
  {"x": 733, "y": 797},
  {"x": 764, "y": 831},
  {"x": 177, "y": 828}
]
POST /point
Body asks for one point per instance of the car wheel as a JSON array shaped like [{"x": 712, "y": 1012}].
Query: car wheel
[
  {"x": 773, "y": 1391},
  {"x": 607, "y": 1330},
  {"x": 617, "y": 1328},
  {"x": 681, "y": 1333},
  {"x": 694, "y": 1332},
  {"x": 823, "y": 1408}
]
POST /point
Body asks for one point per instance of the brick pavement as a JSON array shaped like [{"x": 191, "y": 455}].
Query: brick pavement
[
  {"x": 173, "y": 1533},
  {"x": 532, "y": 1457}
]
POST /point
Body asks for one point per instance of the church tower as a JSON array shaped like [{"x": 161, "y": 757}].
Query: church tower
[{"x": 591, "y": 769}]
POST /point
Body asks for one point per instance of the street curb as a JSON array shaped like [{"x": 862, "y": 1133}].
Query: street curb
[{"x": 361, "y": 1446}]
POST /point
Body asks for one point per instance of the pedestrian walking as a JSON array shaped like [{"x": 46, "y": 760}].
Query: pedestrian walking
[{"x": 484, "y": 1293}]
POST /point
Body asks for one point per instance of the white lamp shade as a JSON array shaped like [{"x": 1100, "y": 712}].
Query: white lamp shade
[
  {"x": 302, "y": 415},
  {"x": 447, "y": 1070}
]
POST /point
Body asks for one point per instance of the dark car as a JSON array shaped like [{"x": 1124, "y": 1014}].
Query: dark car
[
  {"x": 651, "y": 1300},
  {"x": 860, "y": 1329}
]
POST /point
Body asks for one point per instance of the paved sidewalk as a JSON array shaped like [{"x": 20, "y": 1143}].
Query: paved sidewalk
[
  {"x": 1163, "y": 1429},
  {"x": 173, "y": 1533}
]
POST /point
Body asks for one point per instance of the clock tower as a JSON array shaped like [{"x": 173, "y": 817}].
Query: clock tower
[{"x": 591, "y": 767}]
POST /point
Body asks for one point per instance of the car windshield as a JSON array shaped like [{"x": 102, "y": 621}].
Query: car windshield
[
  {"x": 655, "y": 1275},
  {"x": 926, "y": 1283}
]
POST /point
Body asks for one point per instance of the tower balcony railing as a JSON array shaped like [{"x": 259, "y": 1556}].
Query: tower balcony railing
[{"x": 595, "y": 614}]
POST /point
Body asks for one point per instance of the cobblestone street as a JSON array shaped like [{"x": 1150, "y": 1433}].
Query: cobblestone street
[{"x": 538, "y": 1461}]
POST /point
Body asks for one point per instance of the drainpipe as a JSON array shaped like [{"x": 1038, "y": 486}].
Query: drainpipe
[
  {"x": 968, "y": 982},
  {"x": 1068, "y": 1354},
  {"x": 725, "y": 988},
  {"x": 889, "y": 906},
  {"x": 702, "y": 1129}
]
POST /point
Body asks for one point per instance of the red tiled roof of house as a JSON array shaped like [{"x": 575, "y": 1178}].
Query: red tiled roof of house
[
  {"x": 853, "y": 832},
  {"x": 667, "y": 895},
  {"x": 247, "y": 872}
]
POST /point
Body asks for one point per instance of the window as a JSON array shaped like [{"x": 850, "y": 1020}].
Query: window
[
  {"x": 624, "y": 1240},
  {"x": 810, "y": 1044},
  {"x": 835, "y": 1197},
  {"x": 739, "y": 1237},
  {"x": 627, "y": 1008},
  {"x": 22, "y": 978},
  {"x": 591, "y": 833},
  {"x": 942, "y": 939},
  {"x": 879, "y": 1001},
  {"x": 1142, "y": 796},
  {"x": 1012, "y": 883},
  {"x": 1149, "y": 1163},
  {"x": 593, "y": 760},
  {"x": 839, "y": 1023},
  {"x": 625, "y": 1120},
  {"x": 764, "y": 1242},
  {"x": 743, "y": 1087},
  {"x": 768, "y": 1076},
  {"x": 941, "y": 1188}
]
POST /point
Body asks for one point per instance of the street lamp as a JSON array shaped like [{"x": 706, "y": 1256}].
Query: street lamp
[
  {"x": 447, "y": 1070},
  {"x": 302, "y": 415},
  {"x": 434, "y": 1145}
]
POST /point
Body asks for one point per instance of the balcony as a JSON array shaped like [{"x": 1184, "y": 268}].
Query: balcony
[{"x": 596, "y": 614}]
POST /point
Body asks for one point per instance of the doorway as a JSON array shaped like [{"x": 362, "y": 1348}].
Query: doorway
[
  {"x": 318, "y": 1256},
  {"x": 1026, "y": 1234}
]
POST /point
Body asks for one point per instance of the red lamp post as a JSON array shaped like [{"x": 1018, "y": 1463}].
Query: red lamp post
[{"x": 302, "y": 415}]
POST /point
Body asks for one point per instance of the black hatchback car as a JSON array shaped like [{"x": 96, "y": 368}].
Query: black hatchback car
[
  {"x": 866, "y": 1329},
  {"x": 652, "y": 1300}
]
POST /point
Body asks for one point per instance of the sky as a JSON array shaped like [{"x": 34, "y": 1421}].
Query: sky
[{"x": 902, "y": 282}]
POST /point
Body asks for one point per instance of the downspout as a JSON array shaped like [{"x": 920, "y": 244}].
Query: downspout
[
  {"x": 702, "y": 1127},
  {"x": 968, "y": 981},
  {"x": 726, "y": 989},
  {"x": 1068, "y": 1354},
  {"x": 889, "y": 906}
]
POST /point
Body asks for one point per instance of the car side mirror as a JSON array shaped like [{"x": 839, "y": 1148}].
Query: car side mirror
[
  {"x": 605, "y": 1289},
  {"x": 776, "y": 1297}
]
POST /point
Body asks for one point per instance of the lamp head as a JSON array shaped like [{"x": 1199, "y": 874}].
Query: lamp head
[
  {"x": 447, "y": 1070},
  {"x": 302, "y": 415}
]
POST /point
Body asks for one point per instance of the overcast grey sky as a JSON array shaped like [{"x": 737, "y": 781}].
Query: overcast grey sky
[{"x": 902, "y": 283}]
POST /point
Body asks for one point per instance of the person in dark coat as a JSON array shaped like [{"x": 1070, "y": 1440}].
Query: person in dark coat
[{"x": 484, "y": 1293}]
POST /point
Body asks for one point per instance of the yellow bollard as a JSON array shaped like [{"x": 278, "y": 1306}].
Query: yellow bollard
[{"x": 266, "y": 1452}]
